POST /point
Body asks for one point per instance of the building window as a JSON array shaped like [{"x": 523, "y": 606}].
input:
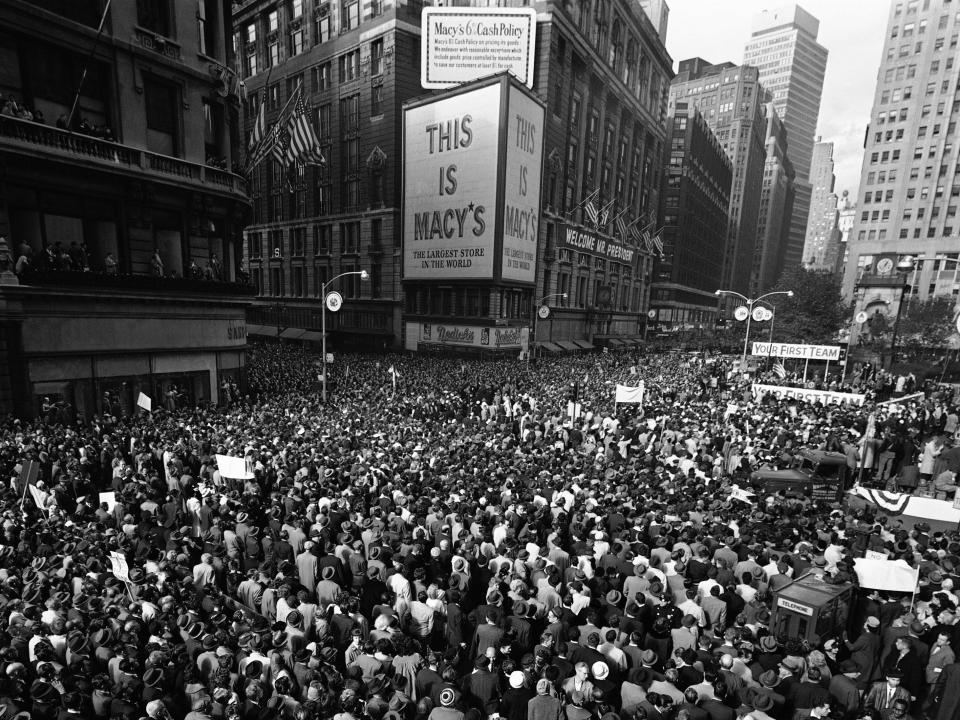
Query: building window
[
  {"x": 376, "y": 100},
  {"x": 252, "y": 64},
  {"x": 207, "y": 26},
  {"x": 322, "y": 195},
  {"x": 350, "y": 283},
  {"x": 323, "y": 121},
  {"x": 350, "y": 194},
  {"x": 321, "y": 24},
  {"x": 299, "y": 276},
  {"x": 321, "y": 239},
  {"x": 298, "y": 239},
  {"x": 350, "y": 155},
  {"x": 320, "y": 77},
  {"x": 321, "y": 274},
  {"x": 213, "y": 125},
  {"x": 276, "y": 282},
  {"x": 161, "y": 101},
  {"x": 296, "y": 8},
  {"x": 376, "y": 57},
  {"x": 349, "y": 115},
  {"x": 255, "y": 245},
  {"x": 273, "y": 21},
  {"x": 376, "y": 280},
  {"x": 350, "y": 17},
  {"x": 349, "y": 66},
  {"x": 296, "y": 41},
  {"x": 154, "y": 15},
  {"x": 273, "y": 53}
]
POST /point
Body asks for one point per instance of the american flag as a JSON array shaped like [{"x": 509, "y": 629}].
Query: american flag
[
  {"x": 591, "y": 211},
  {"x": 304, "y": 143},
  {"x": 281, "y": 145},
  {"x": 621, "y": 227},
  {"x": 779, "y": 370},
  {"x": 658, "y": 243},
  {"x": 260, "y": 126}
]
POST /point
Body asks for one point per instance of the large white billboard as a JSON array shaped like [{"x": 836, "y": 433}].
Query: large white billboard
[
  {"x": 450, "y": 186},
  {"x": 521, "y": 191},
  {"x": 460, "y": 44}
]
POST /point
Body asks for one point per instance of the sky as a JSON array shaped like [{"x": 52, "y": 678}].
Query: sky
[{"x": 851, "y": 30}]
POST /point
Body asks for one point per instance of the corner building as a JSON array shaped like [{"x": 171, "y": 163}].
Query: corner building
[
  {"x": 145, "y": 165},
  {"x": 600, "y": 69},
  {"x": 910, "y": 177}
]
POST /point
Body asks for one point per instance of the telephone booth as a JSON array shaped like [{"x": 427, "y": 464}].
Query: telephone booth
[{"x": 810, "y": 609}]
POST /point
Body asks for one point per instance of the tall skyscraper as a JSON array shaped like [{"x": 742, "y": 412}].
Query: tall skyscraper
[
  {"x": 783, "y": 47},
  {"x": 822, "y": 241},
  {"x": 776, "y": 205},
  {"x": 694, "y": 203},
  {"x": 731, "y": 100},
  {"x": 909, "y": 181}
]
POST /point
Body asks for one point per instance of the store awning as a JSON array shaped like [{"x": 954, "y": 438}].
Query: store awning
[
  {"x": 312, "y": 335},
  {"x": 292, "y": 333},
  {"x": 583, "y": 344},
  {"x": 262, "y": 330},
  {"x": 569, "y": 346},
  {"x": 616, "y": 343},
  {"x": 551, "y": 347}
]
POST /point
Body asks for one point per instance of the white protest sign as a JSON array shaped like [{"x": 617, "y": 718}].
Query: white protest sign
[
  {"x": 626, "y": 394},
  {"x": 145, "y": 402},
  {"x": 110, "y": 498},
  {"x": 232, "y": 467},
  {"x": 118, "y": 564},
  {"x": 893, "y": 575}
]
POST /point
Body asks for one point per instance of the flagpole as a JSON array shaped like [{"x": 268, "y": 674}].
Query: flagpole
[
  {"x": 86, "y": 64},
  {"x": 583, "y": 202},
  {"x": 269, "y": 141}
]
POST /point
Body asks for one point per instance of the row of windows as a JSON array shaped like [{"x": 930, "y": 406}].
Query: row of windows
[
  {"x": 916, "y": 48},
  {"x": 299, "y": 34},
  {"x": 920, "y": 26},
  {"x": 322, "y": 240},
  {"x": 307, "y": 281}
]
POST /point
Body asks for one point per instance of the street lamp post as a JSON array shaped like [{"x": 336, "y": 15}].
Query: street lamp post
[
  {"x": 536, "y": 310},
  {"x": 905, "y": 265},
  {"x": 750, "y": 303},
  {"x": 323, "y": 320}
]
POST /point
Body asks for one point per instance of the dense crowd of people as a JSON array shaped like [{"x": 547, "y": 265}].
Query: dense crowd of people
[{"x": 461, "y": 539}]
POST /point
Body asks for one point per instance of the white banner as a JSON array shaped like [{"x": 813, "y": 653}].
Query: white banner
[
  {"x": 798, "y": 352},
  {"x": 627, "y": 394},
  {"x": 145, "y": 402},
  {"x": 232, "y": 467},
  {"x": 893, "y": 575},
  {"x": 827, "y": 397}
]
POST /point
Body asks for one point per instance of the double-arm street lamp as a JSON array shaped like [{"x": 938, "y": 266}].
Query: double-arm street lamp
[
  {"x": 750, "y": 302},
  {"x": 323, "y": 319}
]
